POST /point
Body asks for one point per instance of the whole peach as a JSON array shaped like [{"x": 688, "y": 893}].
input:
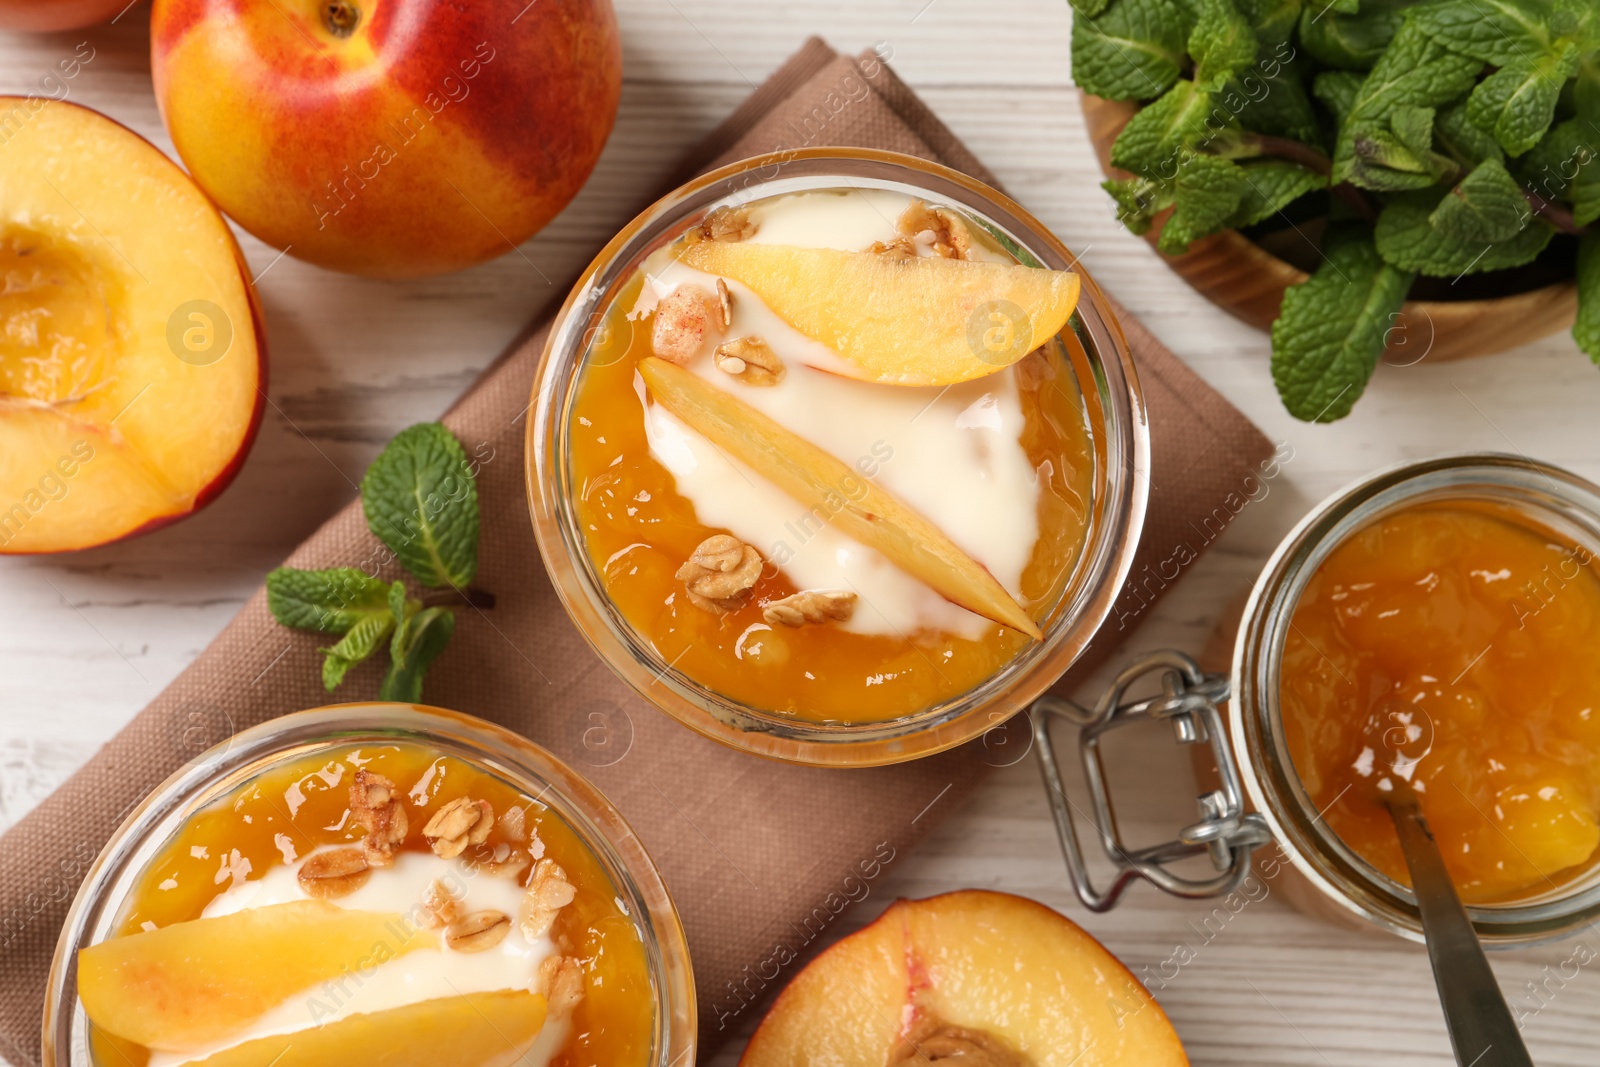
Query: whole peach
[{"x": 392, "y": 138}]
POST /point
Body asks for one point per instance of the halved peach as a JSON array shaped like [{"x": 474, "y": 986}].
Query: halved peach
[
  {"x": 902, "y": 321},
  {"x": 185, "y": 985},
  {"x": 131, "y": 355},
  {"x": 472, "y": 1030},
  {"x": 822, "y": 483},
  {"x": 988, "y": 975}
]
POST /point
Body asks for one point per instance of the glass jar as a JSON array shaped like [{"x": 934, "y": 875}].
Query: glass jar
[
  {"x": 495, "y": 752},
  {"x": 1259, "y": 799},
  {"x": 1113, "y": 410}
]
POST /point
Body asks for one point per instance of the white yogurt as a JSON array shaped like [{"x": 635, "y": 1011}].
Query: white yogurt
[
  {"x": 954, "y": 453},
  {"x": 423, "y": 974}
]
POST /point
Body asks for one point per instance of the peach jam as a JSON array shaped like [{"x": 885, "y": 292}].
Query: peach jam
[
  {"x": 1450, "y": 648},
  {"x": 372, "y": 901},
  {"x": 824, "y": 628}
]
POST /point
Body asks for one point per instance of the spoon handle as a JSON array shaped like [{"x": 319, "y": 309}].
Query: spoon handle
[{"x": 1482, "y": 1029}]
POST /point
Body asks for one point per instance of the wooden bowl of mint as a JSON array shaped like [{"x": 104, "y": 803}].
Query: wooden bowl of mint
[{"x": 1367, "y": 179}]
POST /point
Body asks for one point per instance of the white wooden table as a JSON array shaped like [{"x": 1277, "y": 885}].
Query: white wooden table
[{"x": 86, "y": 640}]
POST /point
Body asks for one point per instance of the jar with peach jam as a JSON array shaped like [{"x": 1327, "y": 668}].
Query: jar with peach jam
[
  {"x": 1433, "y": 630},
  {"x": 834, "y": 456},
  {"x": 1429, "y": 632},
  {"x": 382, "y": 883}
]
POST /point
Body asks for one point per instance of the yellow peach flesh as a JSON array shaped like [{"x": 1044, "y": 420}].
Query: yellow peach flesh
[
  {"x": 185, "y": 985},
  {"x": 920, "y": 321}
]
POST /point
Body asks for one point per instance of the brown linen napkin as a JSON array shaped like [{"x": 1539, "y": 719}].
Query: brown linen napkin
[{"x": 760, "y": 857}]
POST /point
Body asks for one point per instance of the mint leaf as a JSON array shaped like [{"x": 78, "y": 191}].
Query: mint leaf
[
  {"x": 1088, "y": 8},
  {"x": 1222, "y": 44},
  {"x": 1413, "y": 126},
  {"x": 1587, "y": 330},
  {"x": 1393, "y": 156},
  {"x": 359, "y": 642},
  {"x": 1346, "y": 39},
  {"x": 1460, "y": 138},
  {"x": 1585, "y": 191},
  {"x": 328, "y": 601},
  {"x": 400, "y": 606},
  {"x": 1274, "y": 105},
  {"x": 1138, "y": 201},
  {"x": 421, "y": 501},
  {"x": 1188, "y": 16},
  {"x": 417, "y": 642},
  {"x": 1270, "y": 186},
  {"x": 1206, "y": 193},
  {"x": 1517, "y": 103},
  {"x": 1133, "y": 51},
  {"x": 1586, "y": 89},
  {"x": 1486, "y": 206},
  {"x": 1157, "y": 140},
  {"x": 1331, "y": 331},
  {"x": 1338, "y": 91},
  {"x": 1413, "y": 71},
  {"x": 1578, "y": 19},
  {"x": 1498, "y": 32},
  {"x": 1274, "y": 20},
  {"x": 1408, "y": 240},
  {"x": 1565, "y": 164},
  {"x": 1416, "y": 70}
]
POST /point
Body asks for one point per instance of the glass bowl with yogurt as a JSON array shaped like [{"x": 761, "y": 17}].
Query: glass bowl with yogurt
[
  {"x": 385, "y": 883},
  {"x": 836, "y": 456}
]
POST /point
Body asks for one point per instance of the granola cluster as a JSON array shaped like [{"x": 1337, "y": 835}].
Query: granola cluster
[
  {"x": 720, "y": 574},
  {"x": 749, "y": 359},
  {"x": 728, "y": 224},
  {"x": 456, "y": 825},
  {"x": 335, "y": 873},
  {"x": 686, "y": 317},
  {"x": 375, "y": 806},
  {"x": 936, "y": 229},
  {"x": 812, "y": 605}
]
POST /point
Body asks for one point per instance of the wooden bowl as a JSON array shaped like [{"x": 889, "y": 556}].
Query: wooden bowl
[{"x": 1247, "y": 281}]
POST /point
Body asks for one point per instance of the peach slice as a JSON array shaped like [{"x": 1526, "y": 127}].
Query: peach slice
[
  {"x": 472, "y": 1030},
  {"x": 833, "y": 491},
  {"x": 973, "y": 972},
  {"x": 192, "y": 983},
  {"x": 131, "y": 370},
  {"x": 918, "y": 321}
]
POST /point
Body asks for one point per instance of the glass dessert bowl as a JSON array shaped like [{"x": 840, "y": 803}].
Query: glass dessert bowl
[
  {"x": 379, "y": 882},
  {"x": 834, "y": 456}
]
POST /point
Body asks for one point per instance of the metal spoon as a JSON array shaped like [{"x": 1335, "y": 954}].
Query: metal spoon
[{"x": 1482, "y": 1029}]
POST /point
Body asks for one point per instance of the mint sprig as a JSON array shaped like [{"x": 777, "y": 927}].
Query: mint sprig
[
  {"x": 1463, "y": 134},
  {"x": 420, "y": 498}
]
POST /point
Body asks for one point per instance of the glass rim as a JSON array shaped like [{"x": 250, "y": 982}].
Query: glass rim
[
  {"x": 215, "y": 773},
  {"x": 1113, "y": 404},
  {"x": 1552, "y": 497}
]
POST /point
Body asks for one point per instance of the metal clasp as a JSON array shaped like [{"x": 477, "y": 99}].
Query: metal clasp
[{"x": 1188, "y": 699}]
